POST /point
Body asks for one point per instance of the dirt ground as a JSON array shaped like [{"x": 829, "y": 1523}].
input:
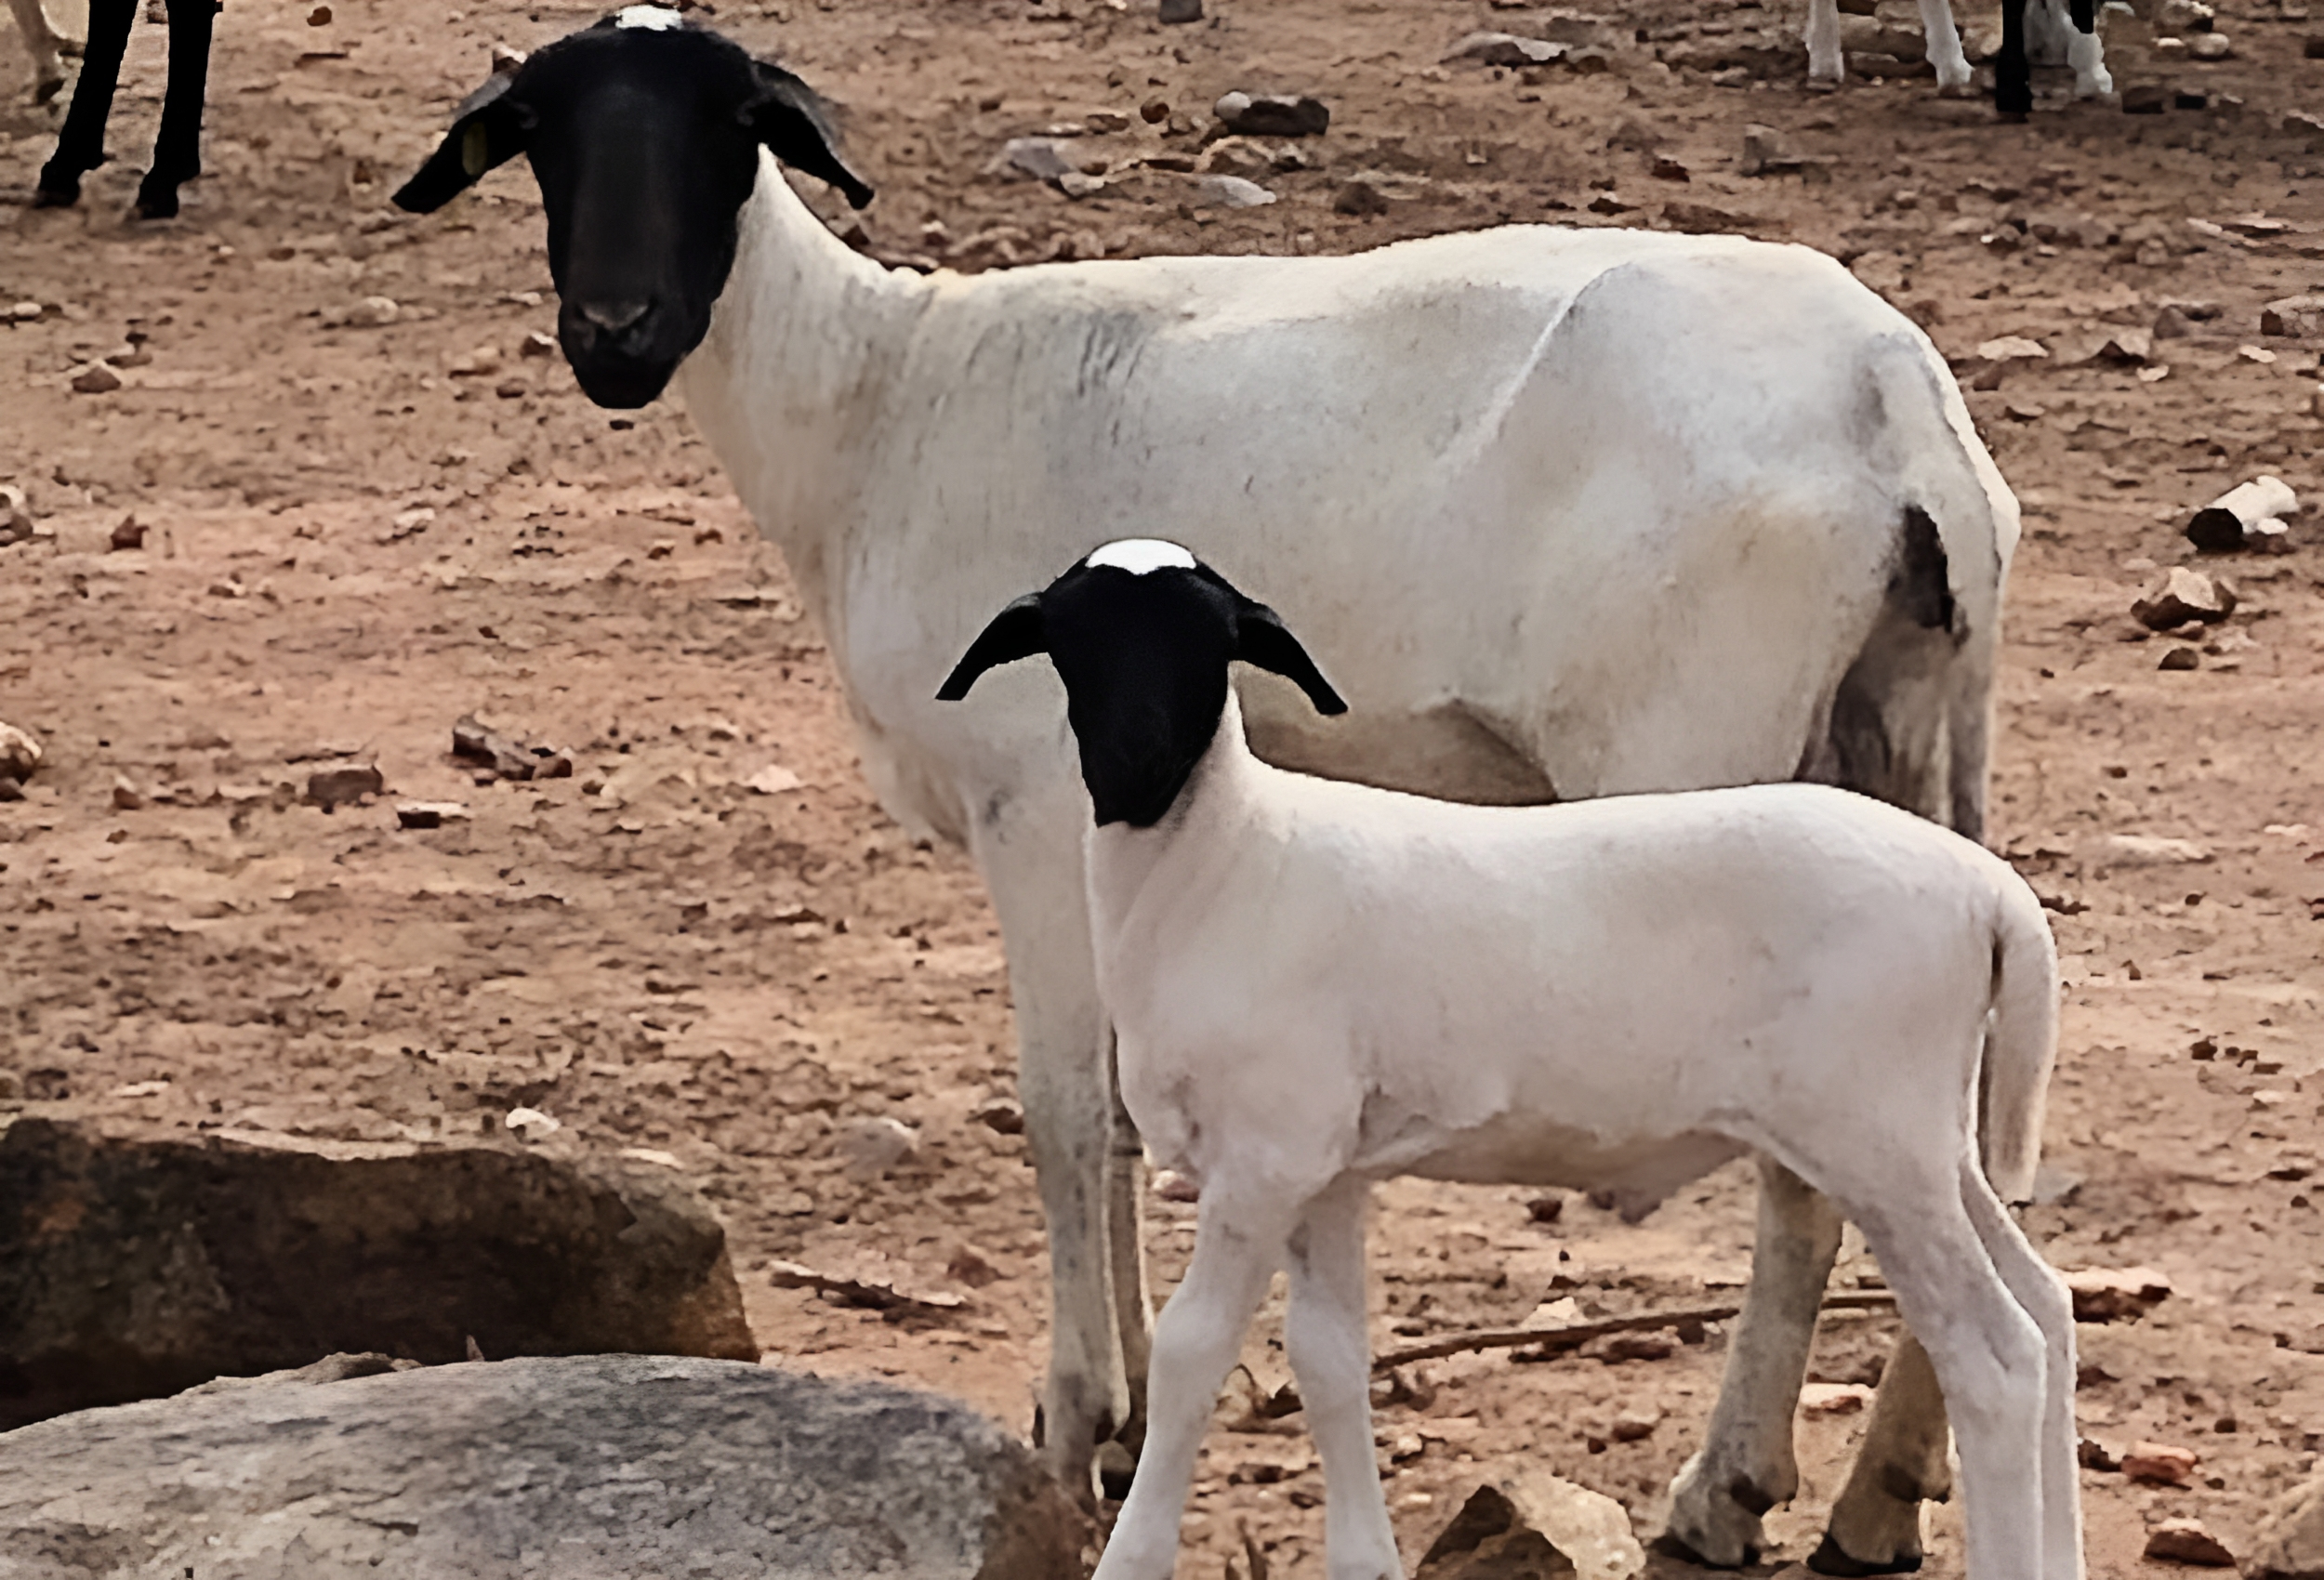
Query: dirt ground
[{"x": 664, "y": 955}]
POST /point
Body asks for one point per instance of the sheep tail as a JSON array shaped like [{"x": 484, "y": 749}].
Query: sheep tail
[{"x": 2020, "y": 1045}]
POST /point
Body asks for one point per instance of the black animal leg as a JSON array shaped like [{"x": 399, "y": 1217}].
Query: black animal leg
[
  {"x": 81, "y": 145},
  {"x": 177, "y": 146},
  {"x": 2012, "y": 77}
]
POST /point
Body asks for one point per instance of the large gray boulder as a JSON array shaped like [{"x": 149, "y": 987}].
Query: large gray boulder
[
  {"x": 581, "y": 1468},
  {"x": 134, "y": 1263}
]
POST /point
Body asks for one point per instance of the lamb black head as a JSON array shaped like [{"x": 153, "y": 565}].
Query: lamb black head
[
  {"x": 1142, "y": 633},
  {"x": 644, "y": 131}
]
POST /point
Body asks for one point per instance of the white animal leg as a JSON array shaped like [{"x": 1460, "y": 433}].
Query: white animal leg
[
  {"x": 1875, "y": 1525},
  {"x": 1825, "y": 62},
  {"x": 1126, "y": 1256},
  {"x": 2042, "y": 1294},
  {"x": 2088, "y": 57},
  {"x": 41, "y": 42},
  {"x": 1332, "y": 1356},
  {"x": 1989, "y": 1354},
  {"x": 2047, "y": 30},
  {"x": 1944, "y": 44},
  {"x": 1746, "y": 1465},
  {"x": 1238, "y": 1244},
  {"x": 1062, "y": 1081}
]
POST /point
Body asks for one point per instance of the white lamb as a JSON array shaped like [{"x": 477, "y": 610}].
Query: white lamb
[
  {"x": 1319, "y": 984},
  {"x": 1577, "y": 512}
]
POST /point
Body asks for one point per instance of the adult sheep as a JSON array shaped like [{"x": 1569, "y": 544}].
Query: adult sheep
[
  {"x": 2060, "y": 30},
  {"x": 1572, "y": 512}
]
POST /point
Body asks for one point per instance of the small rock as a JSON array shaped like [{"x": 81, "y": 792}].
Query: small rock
[
  {"x": 373, "y": 312},
  {"x": 1639, "y": 1347},
  {"x": 2105, "y": 1295},
  {"x": 476, "y": 364},
  {"x": 2145, "y": 99},
  {"x": 1548, "y": 1208},
  {"x": 1153, "y": 112},
  {"x": 1634, "y": 1423},
  {"x": 2179, "y": 657},
  {"x": 2184, "y": 15},
  {"x": 2116, "y": 851},
  {"x": 2226, "y": 523},
  {"x": 16, "y": 515},
  {"x": 872, "y": 1148},
  {"x": 970, "y": 1266},
  {"x": 2208, "y": 47},
  {"x": 1231, "y": 191},
  {"x": 2013, "y": 349},
  {"x": 428, "y": 814},
  {"x": 320, "y": 17},
  {"x": 532, "y": 1124},
  {"x": 98, "y": 378},
  {"x": 2122, "y": 347},
  {"x": 2181, "y": 596},
  {"x": 2171, "y": 324},
  {"x": 1359, "y": 198},
  {"x": 24, "y": 313},
  {"x": 127, "y": 797},
  {"x": 1526, "y": 1522},
  {"x": 2289, "y": 1543},
  {"x": 1834, "y": 1399},
  {"x": 1666, "y": 168},
  {"x": 1273, "y": 115},
  {"x": 475, "y": 743},
  {"x": 1076, "y": 184},
  {"x": 1503, "y": 49},
  {"x": 333, "y": 787},
  {"x": 2092, "y": 1454},
  {"x": 1105, "y": 120},
  {"x": 1044, "y": 159},
  {"x": 538, "y": 345},
  {"x": 1767, "y": 153},
  {"x": 2186, "y": 1541},
  {"x": 2297, "y": 316},
  {"x": 2159, "y": 1463},
  {"x": 129, "y": 534},
  {"x": 9, "y": 789},
  {"x": 408, "y": 523},
  {"x": 1000, "y": 1115},
  {"x": 1177, "y": 11},
  {"x": 774, "y": 779},
  {"x": 19, "y": 752}
]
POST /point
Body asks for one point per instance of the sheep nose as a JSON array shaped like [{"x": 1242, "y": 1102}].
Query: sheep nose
[{"x": 615, "y": 317}]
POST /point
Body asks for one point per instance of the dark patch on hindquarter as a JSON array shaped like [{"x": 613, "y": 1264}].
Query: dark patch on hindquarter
[{"x": 1922, "y": 585}]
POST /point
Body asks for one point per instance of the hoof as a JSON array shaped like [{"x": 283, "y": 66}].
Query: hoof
[
  {"x": 155, "y": 205},
  {"x": 1670, "y": 1545},
  {"x": 52, "y": 194},
  {"x": 1116, "y": 1470},
  {"x": 46, "y": 93},
  {"x": 1830, "y": 1559}
]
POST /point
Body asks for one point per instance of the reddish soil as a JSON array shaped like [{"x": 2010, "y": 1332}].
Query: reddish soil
[{"x": 664, "y": 957}]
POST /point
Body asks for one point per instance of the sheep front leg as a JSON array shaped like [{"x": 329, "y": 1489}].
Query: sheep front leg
[
  {"x": 1746, "y": 1465},
  {"x": 1825, "y": 61},
  {"x": 1943, "y": 41},
  {"x": 1239, "y": 1244},
  {"x": 1332, "y": 1356},
  {"x": 1064, "y": 1082}
]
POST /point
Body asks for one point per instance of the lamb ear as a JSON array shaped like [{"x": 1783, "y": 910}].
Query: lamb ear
[
  {"x": 789, "y": 118},
  {"x": 489, "y": 129},
  {"x": 1261, "y": 638},
  {"x": 1018, "y": 631}
]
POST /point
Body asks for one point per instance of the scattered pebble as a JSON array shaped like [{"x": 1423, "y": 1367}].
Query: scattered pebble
[
  {"x": 1231, "y": 191},
  {"x": 1834, "y": 1399},
  {"x": 1503, "y": 49},
  {"x": 1043, "y": 159},
  {"x": 2186, "y": 1541},
  {"x": 532, "y": 1124},
  {"x": 19, "y": 752},
  {"x": 1000, "y": 1115},
  {"x": 2159, "y": 1463},
  {"x": 2105, "y": 1295},
  {"x": 1767, "y": 151},
  {"x": 1359, "y": 198},
  {"x": 333, "y": 787},
  {"x": 128, "y": 535},
  {"x": 872, "y": 1148},
  {"x": 127, "y": 797},
  {"x": 2298, "y": 317},
  {"x": 1273, "y": 115},
  {"x": 98, "y": 378},
  {"x": 428, "y": 814},
  {"x": 538, "y": 345},
  {"x": 2179, "y": 657},
  {"x": 2183, "y": 595},
  {"x": 1634, "y": 1423},
  {"x": 2208, "y": 47},
  {"x": 1174, "y": 12},
  {"x": 372, "y": 312}
]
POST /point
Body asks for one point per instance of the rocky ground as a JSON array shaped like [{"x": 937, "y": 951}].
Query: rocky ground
[{"x": 291, "y": 530}]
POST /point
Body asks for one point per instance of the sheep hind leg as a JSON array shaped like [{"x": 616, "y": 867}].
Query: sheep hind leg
[
  {"x": 1991, "y": 1356},
  {"x": 1240, "y": 1242},
  {"x": 1875, "y": 1524},
  {"x": 1944, "y": 46},
  {"x": 177, "y": 146},
  {"x": 1126, "y": 1266},
  {"x": 80, "y": 143},
  {"x": 1826, "y": 64},
  {"x": 1330, "y": 1353},
  {"x": 1746, "y": 1465}
]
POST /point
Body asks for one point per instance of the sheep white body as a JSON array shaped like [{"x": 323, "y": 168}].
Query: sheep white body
[
  {"x": 2051, "y": 35},
  {"x": 1316, "y": 985},
  {"x": 1570, "y": 512}
]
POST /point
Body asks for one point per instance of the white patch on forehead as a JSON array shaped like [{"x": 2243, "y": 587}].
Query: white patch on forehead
[
  {"x": 655, "y": 19},
  {"x": 1139, "y": 555}
]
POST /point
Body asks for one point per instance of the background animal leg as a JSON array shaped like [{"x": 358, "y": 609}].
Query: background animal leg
[
  {"x": 80, "y": 143},
  {"x": 41, "y": 42},
  {"x": 1126, "y": 1256},
  {"x": 1875, "y": 1526},
  {"x": 2088, "y": 57},
  {"x": 2013, "y": 75},
  {"x": 1239, "y": 1244},
  {"x": 177, "y": 146},
  {"x": 1746, "y": 1465},
  {"x": 1330, "y": 1353},
  {"x": 1825, "y": 61},
  {"x": 1944, "y": 44}
]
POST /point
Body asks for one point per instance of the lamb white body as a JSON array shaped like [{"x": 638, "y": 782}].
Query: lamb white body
[
  {"x": 2051, "y": 36},
  {"x": 1316, "y": 985},
  {"x": 1569, "y": 513}
]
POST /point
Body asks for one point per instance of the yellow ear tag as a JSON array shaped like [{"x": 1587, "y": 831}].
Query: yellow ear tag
[{"x": 475, "y": 149}]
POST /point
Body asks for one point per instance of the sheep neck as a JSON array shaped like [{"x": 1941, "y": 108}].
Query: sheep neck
[
  {"x": 1220, "y": 794},
  {"x": 793, "y": 375}
]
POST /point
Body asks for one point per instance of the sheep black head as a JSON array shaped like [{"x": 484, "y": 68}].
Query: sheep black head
[
  {"x": 644, "y": 131},
  {"x": 1142, "y": 633}
]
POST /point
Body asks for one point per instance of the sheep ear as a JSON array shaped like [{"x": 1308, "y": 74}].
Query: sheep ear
[
  {"x": 489, "y": 129},
  {"x": 1261, "y": 638},
  {"x": 1016, "y": 632},
  {"x": 789, "y": 118}
]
